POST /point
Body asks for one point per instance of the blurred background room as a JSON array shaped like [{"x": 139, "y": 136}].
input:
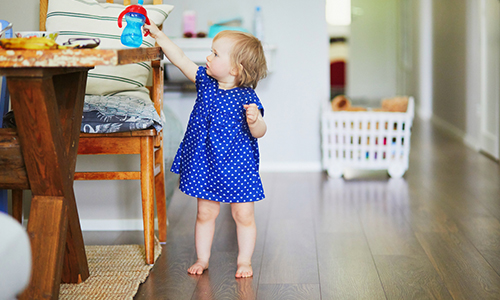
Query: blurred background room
[{"x": 443, "y": 53}]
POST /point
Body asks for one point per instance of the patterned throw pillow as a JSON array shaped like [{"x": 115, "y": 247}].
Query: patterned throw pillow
[
  {"x": 108, "y": 114},
  {"x": 91, "y": 19}
]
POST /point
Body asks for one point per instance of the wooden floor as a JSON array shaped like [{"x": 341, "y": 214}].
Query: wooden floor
[{"x": 435, "y": 234}]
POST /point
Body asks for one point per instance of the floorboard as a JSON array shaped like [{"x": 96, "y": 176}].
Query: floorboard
[
  {"x": 289, "y": 291},
  {"x": 346, "y": 266},
  {"x": 465, "y": 272},
  {"x": 410, "y": 277},
  {"x": 434, "y": 234}
]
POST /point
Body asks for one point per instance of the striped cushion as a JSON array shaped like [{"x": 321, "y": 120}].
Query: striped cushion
[{"x": 91, "y": 19}]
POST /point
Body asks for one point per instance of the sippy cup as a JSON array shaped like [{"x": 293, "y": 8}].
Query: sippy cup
[{"x": 135, "y": 16}]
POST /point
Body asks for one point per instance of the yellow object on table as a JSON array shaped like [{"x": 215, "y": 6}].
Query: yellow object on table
[{"x": 30, "y": 43}]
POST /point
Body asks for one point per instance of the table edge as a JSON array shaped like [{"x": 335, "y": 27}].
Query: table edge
[{"x": 77, "y": 57}]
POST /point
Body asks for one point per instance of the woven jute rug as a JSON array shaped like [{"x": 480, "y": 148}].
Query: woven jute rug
[{"x": 115, "y": 273}]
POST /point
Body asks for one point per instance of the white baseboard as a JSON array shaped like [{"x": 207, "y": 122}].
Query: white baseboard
[
  {"x": 453, "y": 130},
  {"x": 424, "y": 114},
  {"x": 472, "y": 142},
  {"x": 459, "y": 134},
  {"x": 312, "y": 166},
  {"x": 136, "y": 224}
]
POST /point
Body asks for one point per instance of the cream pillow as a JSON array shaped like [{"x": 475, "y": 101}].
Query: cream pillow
[{"x": 91, "y": 19}]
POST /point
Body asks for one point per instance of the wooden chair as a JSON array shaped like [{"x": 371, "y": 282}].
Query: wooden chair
[{"x": 147, "y": 143}]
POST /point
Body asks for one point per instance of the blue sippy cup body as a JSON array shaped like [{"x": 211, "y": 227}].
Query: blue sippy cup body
[{"x": 132, "y": 34}]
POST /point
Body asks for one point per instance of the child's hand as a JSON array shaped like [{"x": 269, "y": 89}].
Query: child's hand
[
  {"x": 152, "y": 29},
  {"x": 173, "y": 52},
  {"x": 255, "y": 121},
  {"x": 252, "y": 113}
]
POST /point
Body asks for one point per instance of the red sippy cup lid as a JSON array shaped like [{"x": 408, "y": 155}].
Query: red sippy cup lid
[{"x": 135, "y": 9}]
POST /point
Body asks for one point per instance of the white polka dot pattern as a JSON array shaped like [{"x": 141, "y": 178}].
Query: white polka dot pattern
[{"x": 218, "y": 159}]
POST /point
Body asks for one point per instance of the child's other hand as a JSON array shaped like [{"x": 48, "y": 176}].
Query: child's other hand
[
  {"x": 152, "y": 29},
  {"x": 252, "y": 113}
]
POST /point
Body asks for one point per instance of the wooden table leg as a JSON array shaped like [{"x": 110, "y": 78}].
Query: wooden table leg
[
  {"x": 48, "y": 108},
  {"x": 47, "y": 237},
  {"x": 70, "y": 113}
]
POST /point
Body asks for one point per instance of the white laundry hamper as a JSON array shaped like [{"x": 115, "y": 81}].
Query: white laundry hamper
[{"x": 366, "y": 140}]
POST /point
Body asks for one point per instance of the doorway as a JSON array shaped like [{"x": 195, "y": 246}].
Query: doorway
[
  {"x": 370, "y": 48},
  {"x": 338, "y": 17}
]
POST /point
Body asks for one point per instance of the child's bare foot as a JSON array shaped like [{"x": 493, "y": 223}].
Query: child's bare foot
[
  {"x": 198, "y": 267},
  {"x": 244, "y": 270}
]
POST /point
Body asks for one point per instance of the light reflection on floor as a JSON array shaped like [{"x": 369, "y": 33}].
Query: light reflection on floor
[{"x": 346, "y": 204}]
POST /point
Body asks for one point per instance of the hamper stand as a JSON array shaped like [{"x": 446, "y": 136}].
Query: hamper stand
[{"x": 366, "y": 140}]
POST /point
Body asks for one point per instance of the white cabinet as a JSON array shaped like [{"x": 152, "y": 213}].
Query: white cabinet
[{"x": 197, "y": 49}]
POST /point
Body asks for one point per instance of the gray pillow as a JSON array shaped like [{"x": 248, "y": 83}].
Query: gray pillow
[{"x": 107, "y": 114}]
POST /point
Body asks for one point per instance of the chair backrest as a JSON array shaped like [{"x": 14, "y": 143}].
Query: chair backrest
[
  {"x": 45, "y": 3},
  {"x": 156, "y": 91}
]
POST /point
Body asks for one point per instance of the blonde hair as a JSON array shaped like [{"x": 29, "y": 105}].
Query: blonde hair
[{"x": 247, "y": 55}]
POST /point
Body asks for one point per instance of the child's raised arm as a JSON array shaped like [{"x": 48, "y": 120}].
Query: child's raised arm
[{"x": 173, "y": 52}]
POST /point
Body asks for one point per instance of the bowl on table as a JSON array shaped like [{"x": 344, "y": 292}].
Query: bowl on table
[{"x": 47, "y": 34}]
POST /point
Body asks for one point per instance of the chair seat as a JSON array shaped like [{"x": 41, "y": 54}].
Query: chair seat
[{"x": 135, "y": 133}]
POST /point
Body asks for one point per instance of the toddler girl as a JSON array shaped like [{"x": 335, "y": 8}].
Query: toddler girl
[{"x": 218, "y": 159}]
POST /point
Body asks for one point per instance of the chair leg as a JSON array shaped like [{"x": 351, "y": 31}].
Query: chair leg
[
  {"x": 147, "y": 192},
  {"x": 17, "y": 205},
  {"x": 161, "y": 201}
]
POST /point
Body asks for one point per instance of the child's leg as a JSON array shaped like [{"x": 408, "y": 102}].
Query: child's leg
[
  {"x": 243, "y": 214},
  {"x": 204, "y": 233}
]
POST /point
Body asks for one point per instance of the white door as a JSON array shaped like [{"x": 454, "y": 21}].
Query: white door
[{"x": 490, "y": 89}]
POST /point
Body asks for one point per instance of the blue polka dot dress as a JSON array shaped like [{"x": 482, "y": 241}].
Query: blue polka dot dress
[{"x": 218, "y": 159}]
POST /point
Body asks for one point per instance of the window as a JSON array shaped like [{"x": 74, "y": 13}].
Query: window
[{"x": 338, "y": 12}]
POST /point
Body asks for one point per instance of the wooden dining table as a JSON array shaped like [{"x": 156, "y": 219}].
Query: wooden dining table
[{"x": 47, "y": 89}]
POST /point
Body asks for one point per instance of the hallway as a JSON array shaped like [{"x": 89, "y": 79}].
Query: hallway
[{"x": 434, "y": 234}]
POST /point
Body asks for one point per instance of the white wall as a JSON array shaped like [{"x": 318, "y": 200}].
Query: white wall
[
  {"x": 23, "y": 14},
  {"x": 456, "y": 68},
  {"x": 422, "y": 57},
  {"x": 490, "y": 76},
  {"x": 449, "y": 72},
  {"x": 473, "y": 37},
  {"x": 373, "y": 49},
  {"x": 294, "y": 92}
]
